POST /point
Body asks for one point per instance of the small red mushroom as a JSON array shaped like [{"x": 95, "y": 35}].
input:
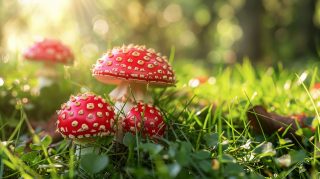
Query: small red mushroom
[
  {"x": 50, "y": 52},
  {"x": 146, "y": 119},
  {"x": 85, "y": 116}
]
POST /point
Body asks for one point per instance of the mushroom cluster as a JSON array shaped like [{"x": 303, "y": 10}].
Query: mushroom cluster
[{"x": 133, "y": 69}]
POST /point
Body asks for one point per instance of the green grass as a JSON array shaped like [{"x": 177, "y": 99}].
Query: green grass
[{"x": 208, "y": 134}]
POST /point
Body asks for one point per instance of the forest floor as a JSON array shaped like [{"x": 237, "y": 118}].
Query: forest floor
[{"x": 208, "y": 133}]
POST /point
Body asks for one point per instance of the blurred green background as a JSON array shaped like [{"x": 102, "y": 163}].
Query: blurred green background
[{"x": 219, "y": 31}]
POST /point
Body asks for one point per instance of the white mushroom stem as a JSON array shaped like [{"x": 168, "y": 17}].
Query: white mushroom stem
[
  {"x": 133, "y": 92},
  {"x": 48, "y": 70},
  {"x": 46, "y": 75},
  {"x": 122, "y": 108},
  {"x": 44, "y": 82},
  {"x": 126, "y": 95}
]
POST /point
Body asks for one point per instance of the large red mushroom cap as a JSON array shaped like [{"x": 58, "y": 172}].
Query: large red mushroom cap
[
  {"x": 85, "y": 115},
  {"x": 146, "y": 119},
  {"x": 134, "y": 63},
  {"x": 49, "y": 51}
]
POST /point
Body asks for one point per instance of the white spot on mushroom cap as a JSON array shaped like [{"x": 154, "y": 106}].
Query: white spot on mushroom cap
[
  {"x": 119, "y": 59},
  {"x": 84, "y": 127},
  {"x": 71, "y": 113},
  {"x": 80, "y": 112},
  {"x": 63, "y": 116},
  {"x": 99, "y": 114},
  {"x": 102, "y": 127},
  {"x": 100, "y": 105},
  {"x": 90, "y": 116},
  {"x": 74, "y": 123}
]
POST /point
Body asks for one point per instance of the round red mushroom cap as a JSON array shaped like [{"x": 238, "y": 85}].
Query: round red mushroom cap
[
  {"x": 134, "y": 63},
  {"x": 85, "y": 115},
  {"x": 146, "y": 119},
  {"x": 50, "y": 51}
]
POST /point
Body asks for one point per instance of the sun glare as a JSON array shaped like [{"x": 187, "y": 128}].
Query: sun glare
[{"x": 47, "y": 15}]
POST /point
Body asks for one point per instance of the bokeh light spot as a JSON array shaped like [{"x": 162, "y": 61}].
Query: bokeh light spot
[
  {"x": 202, "y": 16},
  {"x": 193, "y": 83},
  {"x": 1, "y": 81},
  {"x": 187, "y": 38},
  {"x": 89, "y": 50},
  {"x": 226, "y": 11},
  {"x": 101, "y": 27},
  {"x": 172, "y": 13}
]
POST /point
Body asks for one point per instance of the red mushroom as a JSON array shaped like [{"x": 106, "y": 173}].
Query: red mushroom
[
  {"x": 84, "y": 117},
  {"x": 133, "y": 69},
  {"x": 146, "y": 119},
  {"x": 49, "y": 52}
]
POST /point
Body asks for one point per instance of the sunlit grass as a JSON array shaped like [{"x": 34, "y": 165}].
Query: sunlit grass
[{"x": 208, "y": 134}]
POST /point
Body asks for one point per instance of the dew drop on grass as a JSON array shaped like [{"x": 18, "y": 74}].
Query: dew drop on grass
[
  {"x": 302, "y": 77},
  {"x": 246, "y": 145},
  {"x": 268, "y": 148},
  {"x": 287, "y": 85},
  {"x": 193, "y": 83},
  {"x": 284, "y": 160}
]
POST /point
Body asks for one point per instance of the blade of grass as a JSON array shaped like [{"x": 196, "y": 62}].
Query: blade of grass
[{"x": 314, "y": 160}]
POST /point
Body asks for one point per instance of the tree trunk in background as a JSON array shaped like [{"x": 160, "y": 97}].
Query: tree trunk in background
[
  {"x": 297, "y": 39},
  {"x": 250, "y": 20},
  {"x": 308, "y": 28}
]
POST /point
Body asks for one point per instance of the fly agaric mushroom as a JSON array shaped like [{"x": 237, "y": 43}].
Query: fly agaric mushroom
[
  {"x": 49, "y": 52},
  {"x": 85, "y": 116},
  {"x": 133, "y": 68},
  {"x": 146, "y": 119}
]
